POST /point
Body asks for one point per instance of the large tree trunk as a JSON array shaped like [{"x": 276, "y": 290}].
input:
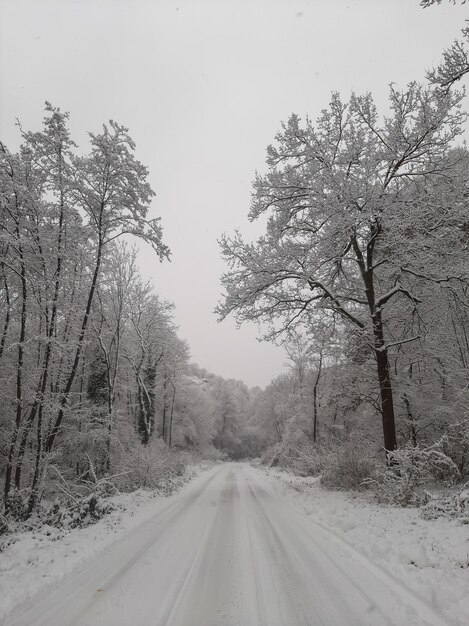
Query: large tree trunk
[
  {"x": 385, "y": 387},
  {"x": 366, "y": 264}
]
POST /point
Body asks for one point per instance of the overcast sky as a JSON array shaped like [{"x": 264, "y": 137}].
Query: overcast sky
[{"x": 203, "y": 87}]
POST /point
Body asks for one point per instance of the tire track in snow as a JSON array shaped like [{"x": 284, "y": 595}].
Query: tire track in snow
[
  {"x": 217, "y": 592},
  {"x": 323, "y": 590},
  {"x": 90, "y": 585},
  {"x": 324, "y": 536},
  {"x": 231, "y": 552}
]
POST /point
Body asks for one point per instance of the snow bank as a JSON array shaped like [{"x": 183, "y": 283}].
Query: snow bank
[{"x": 431, "y": 557}]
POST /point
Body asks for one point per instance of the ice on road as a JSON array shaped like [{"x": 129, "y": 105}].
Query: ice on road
[{"x": 230, "y": 551}]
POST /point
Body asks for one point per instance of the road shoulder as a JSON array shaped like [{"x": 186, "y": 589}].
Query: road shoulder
[{"x": 430, "y": 557}]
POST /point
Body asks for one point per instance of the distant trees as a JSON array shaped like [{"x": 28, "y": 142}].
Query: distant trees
[
  {"x": 341, "y": 198},
  {"x": 150, "y": 322},
  {"x": 228, "y": 412}
]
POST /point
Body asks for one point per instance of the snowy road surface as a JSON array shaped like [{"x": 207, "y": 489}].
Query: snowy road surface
[{"x": 230, "y": 551}]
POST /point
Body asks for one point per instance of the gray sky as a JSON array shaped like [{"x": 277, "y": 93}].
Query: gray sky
[{"x": 203, "y": 87}]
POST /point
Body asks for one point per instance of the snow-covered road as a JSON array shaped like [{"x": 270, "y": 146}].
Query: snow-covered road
[{"x": 231, "y": 551}]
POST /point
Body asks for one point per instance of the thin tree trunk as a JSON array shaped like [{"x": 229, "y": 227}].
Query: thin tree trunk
[
  {"x": 6, "y": 324},
  {"x": 65, "y": 396},
  {"x": 410, "y": 418},
  {"x": 34, "y": 496},
  {"x": 315, "y": 399},
  {"x": 37, "y": 408},
  {"x": 19, "y": 371},
  {"x": 110, "y": 406},
  {"x": 171, "y": 416},
  {"x": 164, "y": 408}
]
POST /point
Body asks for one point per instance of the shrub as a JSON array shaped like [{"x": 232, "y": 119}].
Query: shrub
[
  {"x": 346, "y": 468},
  {"x": 409, "y": 469},
  {"x": 278, "y": 455},
  {"x": 152, "y": 466},
  {"x": 452, "y": 506},
  {"x": 81, "y": 502},
  {"x": 16, "y": 505},
  {"x": 210, "y": 453},
  {"x": 308, "y": 459},
  {"x": 77, "y": 513},
  {"x": 4, "y": 525},
  {"x": 456, "y": 446}
]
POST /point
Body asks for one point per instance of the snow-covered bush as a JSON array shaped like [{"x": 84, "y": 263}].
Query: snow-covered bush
[
  {"x": 308, "y": 460},
  {"x": 283, "y": 454},
  {"x": 80, "y": 502},
  {"x": 346, "y": 467},
  {"x": 210, "y": 453},
  {"x": 277, "y": 455},
  {"x": 267, "y": 455},
  {"x": 456, "y": 446},
  {"x": 453, "y": 506},
  {"x": 152, "y": 466},
  {"x": 16, "y": 505},
  {"x": 342, "y": 466},
  {"x": 77, "y": 513},
  {"x": 4, "y": 526},
  {"x": 409, "y": 469}
]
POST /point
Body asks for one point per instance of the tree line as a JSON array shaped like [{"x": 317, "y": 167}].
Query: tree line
[{"x": 91, "y": 366}]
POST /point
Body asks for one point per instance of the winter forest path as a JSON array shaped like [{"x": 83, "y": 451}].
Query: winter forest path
[{"x": 230, "y": 551}]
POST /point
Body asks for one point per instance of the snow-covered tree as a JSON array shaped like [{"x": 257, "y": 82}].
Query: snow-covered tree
[
  {"x": 333, "y": 196},
  {"x": 60, "y": 216}
]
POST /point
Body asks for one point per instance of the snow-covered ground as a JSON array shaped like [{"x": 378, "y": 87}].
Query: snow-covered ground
[
  {"x": 37, "y": 561},
  {"x": 243, "y": 546},
  {"x": 431, "y": 557}
]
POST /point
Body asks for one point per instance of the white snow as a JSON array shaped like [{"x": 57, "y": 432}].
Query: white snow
[
  {"x": 242, "y": 546},
  {"x": 431, "y": 557},
  {"x": 38, "y": 561}
]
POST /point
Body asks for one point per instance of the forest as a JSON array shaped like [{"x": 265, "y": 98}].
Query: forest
[
  {"x": 362, "y": 274},
  {"x": 97, "y": 388}
]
